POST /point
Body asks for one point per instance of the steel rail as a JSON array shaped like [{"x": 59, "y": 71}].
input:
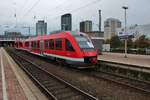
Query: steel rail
[{"x": 30, "y": 68}]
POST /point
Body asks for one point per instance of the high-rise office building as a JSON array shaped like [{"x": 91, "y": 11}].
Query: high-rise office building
[
  {"x": 110, "y": 27},
  {"x": 41, "y": 28},
  {"x": 86, "y": 26},
  {"x": 82, "y": 25},
  {"x": 66, "y": 22}
]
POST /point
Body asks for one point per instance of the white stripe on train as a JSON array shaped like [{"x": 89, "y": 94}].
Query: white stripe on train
[
  {"x": 62, "y": 57},
  {"x": 58, "y": 56},
  {"x": 67, "y": 58}
]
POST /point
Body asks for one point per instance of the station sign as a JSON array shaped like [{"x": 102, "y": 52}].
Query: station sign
[{"x": 123, "y": 35}]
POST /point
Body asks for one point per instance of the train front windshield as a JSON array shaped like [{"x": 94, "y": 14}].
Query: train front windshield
[{"x": 84, "y": 43}]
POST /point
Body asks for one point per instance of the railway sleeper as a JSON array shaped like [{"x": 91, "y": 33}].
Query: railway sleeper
[
  {"x": 39, "y": 77},
  {"x": 61, "y": 91},
  {"x": 66, "y": 95},
  {"x": 55, "y": 88},
  {"x": 47, "y": 81},
  {"x": 61, "y": 95},
  {"x": 78, "y": 97},
  {"x": 51, "y": 84}
]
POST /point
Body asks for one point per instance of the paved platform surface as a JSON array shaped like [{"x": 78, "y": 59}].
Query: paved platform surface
[
  {"x": 14, "y": 83},
  {"x": 132, "y": 59}
]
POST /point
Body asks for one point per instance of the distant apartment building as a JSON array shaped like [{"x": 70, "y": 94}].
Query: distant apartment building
[
  {"x": 41, "y": 28},
  {"x": 66, "y": 22},
  {"x": 12, "y": 34},
  {"x": 86, "y": 26},
  {"x": 111, "y": 25}
]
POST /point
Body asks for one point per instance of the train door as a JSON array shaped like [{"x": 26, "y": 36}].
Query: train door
[{"x": 41, "y": 46}]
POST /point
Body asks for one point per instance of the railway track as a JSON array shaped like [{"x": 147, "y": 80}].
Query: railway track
[
  {"x": 54, "y": 87},
  {"x": 139, "y": 85}
]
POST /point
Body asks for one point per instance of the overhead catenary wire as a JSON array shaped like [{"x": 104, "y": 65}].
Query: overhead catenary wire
[
  {"x": 58, "y": 16},
  {"x": 85, "y": 6},
  {"x": 74, "y": 10},
  {"x": 58, "y": 6},
  {"x": 24, "y": 6},
  {"x": 78, "y": 9},
  {"x": 34, "y": 5}
]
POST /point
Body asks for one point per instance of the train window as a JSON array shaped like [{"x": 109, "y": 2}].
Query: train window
[
  {"x": 84, "y": 42},
  {"x": 46, "y": 44},
  {"x": 51, "y": 44},
  {"x": 69, "y": 46},
  {"x": 58, "y": 44}
]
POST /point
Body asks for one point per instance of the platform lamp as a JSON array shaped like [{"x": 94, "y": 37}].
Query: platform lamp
[{"x": 125, "y": 30}]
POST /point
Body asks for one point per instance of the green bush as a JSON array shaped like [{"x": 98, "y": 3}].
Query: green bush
[
  {"x": 130, "y": 51},
  {"x": 141, "y": 51}
]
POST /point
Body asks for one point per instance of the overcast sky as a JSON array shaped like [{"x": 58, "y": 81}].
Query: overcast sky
[{"x": 51, "y": 10}]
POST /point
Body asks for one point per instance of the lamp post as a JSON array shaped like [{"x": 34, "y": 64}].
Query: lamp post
[{"x": 125, "y": 30}]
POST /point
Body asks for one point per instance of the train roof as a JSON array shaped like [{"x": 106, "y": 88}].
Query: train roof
[
  {"x": 74, "y": 33},
  {"x": 58, "y": 33}
]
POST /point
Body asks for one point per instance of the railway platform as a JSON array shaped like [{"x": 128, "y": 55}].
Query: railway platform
[
  {"x": 137, "y": 66},
  {"x": 134, "y": 66},
  {"x": 132, "y": 59},
  {"x": 14, "y": 83}
]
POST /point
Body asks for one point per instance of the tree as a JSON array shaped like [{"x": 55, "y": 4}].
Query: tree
[
  {"x": 107, "y": 41},
  {"x": 115, "y": 42},
  {"x": 142, "y": 42},
  {"x": 130, "y": 43}
]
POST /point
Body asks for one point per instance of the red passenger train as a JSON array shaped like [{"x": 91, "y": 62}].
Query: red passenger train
[{"x": 70, "y": 47}]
